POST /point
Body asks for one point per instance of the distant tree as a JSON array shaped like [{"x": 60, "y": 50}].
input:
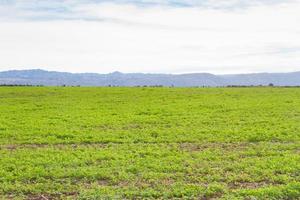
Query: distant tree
[{"x": 271, "y": 84}]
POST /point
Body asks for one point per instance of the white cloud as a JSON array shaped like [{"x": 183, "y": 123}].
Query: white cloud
[{"x": 111, "y": 36}]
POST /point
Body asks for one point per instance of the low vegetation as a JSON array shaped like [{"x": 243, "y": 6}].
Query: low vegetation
[{"x": 124, "y": 143}]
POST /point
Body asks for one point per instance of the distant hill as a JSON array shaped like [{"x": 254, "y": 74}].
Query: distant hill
[{"x": 51, "y": 78}]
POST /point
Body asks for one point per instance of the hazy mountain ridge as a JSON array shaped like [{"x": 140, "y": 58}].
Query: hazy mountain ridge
[{"x": 52, "y": 78}]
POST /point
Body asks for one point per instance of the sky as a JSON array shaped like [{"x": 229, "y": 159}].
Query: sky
[{"x": 151, "y": 36}]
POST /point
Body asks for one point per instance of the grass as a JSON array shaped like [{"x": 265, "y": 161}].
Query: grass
[{"x": 124, "y": 143}]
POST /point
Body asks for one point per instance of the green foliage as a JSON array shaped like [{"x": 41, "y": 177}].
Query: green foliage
[{"x": 125, "y": 143}]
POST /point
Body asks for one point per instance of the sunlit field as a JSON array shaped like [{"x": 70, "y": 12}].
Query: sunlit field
[{"x": 125, "y": 143}]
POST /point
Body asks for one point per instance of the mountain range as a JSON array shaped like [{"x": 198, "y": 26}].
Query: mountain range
[{"x": 52, "y": 78}]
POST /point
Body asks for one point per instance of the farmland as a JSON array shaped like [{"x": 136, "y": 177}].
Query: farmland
[{"x": 124, "y": 143}]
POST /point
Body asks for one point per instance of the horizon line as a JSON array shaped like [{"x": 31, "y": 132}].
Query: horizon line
[{"x": 158, "y": 73}]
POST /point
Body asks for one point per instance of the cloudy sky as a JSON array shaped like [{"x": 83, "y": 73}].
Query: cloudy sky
[{"x": 153, "y": 36}]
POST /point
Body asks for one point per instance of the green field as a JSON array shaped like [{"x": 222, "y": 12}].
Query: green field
[{"x": 125, "y": 143}]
